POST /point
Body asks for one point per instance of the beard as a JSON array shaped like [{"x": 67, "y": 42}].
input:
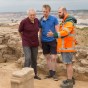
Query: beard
[{"x": 61, "y": 16}]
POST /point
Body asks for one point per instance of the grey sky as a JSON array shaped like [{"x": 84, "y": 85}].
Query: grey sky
[{"x": 23, "y": 5}]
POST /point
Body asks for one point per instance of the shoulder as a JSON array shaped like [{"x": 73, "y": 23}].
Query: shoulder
[
  {"x": 52, "y": 17},
  {"x": 71, "y": 19},
  {"x": 36, "y": 19},
  {"x": 24, "y": 20},
  {"x": 69, "y": 24}
]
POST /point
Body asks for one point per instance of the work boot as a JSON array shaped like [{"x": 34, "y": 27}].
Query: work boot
[
  {"x": 55, "y": 78},
  {"x": 36, "y": 77},
  {"x": 67, "y": 84},
  {"x": 50, "y": 74},
  {"x": 65, "y": 81}
]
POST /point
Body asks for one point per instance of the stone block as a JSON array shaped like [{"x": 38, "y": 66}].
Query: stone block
[{"x": 23, "y": 78}]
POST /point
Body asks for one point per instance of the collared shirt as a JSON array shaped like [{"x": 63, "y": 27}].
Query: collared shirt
[
  {"x": 29, "y": 32},
  {"x": 47, "y": 25}
]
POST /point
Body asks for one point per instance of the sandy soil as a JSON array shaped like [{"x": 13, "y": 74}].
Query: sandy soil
[{"x": 6, "y": 70}]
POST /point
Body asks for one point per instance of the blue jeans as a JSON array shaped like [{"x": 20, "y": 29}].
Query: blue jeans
[
  {"x": 30, "y": 54},
  {"x": 67, "y": 57}
]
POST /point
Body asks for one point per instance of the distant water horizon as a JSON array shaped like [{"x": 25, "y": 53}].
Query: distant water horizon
[
  {"x": 16, "y": 17},
  {"x": 41, "y": 11}
]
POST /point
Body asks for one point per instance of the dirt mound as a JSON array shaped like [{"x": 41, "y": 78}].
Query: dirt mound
[
  {"x": 6, "y": 70},
  {"x": 11, "y": 50}
]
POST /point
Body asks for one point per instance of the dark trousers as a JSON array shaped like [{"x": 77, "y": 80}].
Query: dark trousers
[{"x": 30, "y": 54}]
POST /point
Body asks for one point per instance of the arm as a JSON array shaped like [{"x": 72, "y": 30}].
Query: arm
[
  {"x": 56, "y": 25},
  {"x": 21, "y": 28},
  {"x": 20, "y": 33},
  {"x": 68, "y": 27},
  {"x": 40, "y": 33}
]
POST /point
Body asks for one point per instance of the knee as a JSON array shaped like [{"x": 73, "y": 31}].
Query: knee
[
  {"x": 48, "y": 59},
  {"x": 53, "y": 59},
  {"x": 27, "y": 58},
  {"x": 68, "y": 65}
]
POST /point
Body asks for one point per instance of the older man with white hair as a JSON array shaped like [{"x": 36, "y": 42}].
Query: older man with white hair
[{"x": 28, "y": 30}]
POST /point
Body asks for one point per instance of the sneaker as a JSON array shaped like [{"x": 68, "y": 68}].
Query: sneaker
[
  {"x": 55, "y": 78},
  {"x": 65, "y": 81},
  {"x": 36, "y": 77},
  {"x": 67, "y": 84}
]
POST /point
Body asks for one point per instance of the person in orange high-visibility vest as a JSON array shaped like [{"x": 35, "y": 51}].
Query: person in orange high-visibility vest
[{"x": 66, "y": 43}]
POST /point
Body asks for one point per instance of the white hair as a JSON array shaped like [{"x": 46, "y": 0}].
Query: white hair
[{"x": 31, "y": 10}]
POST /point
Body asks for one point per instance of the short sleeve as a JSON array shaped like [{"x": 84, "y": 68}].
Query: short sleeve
[
  {"x": 21, "y": 27},
  {"x": 56, "y": 21}
]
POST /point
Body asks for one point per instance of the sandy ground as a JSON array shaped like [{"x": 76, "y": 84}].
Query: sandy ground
[{"x": 6, "y": 70}]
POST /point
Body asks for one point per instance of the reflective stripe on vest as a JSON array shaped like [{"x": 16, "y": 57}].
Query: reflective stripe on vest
[
  {"x": 66, "y": 48},
  {"x": 73, "y": 44},
  {"x": 66, "y": 29}
]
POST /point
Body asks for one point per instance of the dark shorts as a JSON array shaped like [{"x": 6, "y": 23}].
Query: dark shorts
[
  {"x": 49, "y": 47},
  {"x": 67, "y": 57}
]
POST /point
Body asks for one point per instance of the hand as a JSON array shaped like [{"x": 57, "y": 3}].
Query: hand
[{"x": 50, "y": 34}]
